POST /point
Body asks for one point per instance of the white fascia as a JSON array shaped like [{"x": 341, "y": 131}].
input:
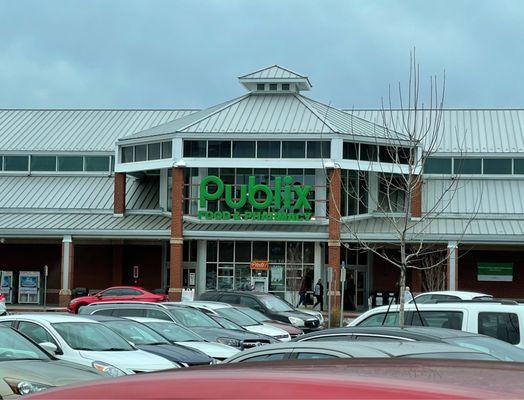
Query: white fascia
[
  {"x": 144, "y": 165},
  {"x": 256, "y": 163}
]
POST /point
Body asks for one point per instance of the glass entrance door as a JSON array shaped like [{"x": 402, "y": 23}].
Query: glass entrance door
[{"x": 357, "y": 288}]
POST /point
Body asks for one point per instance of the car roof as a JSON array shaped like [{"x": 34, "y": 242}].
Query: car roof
[
  {"x": 409, "y": 332},
  {"x": 480, "y": 305},
  {"x": 145, "y": 320},
  {"x": 103, "y": 318},
  {"x": 125, "y": 303},
  {"x": 48, "y": 317},
  {"x": 245, "y": 292},
  {"x": 458, "y": 293},
  {"x": 213, "y": 305},
  {"x": 325, "y": 378}
]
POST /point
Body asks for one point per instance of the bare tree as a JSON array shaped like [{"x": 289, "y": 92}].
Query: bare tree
[{"x": 410, "y": 133}]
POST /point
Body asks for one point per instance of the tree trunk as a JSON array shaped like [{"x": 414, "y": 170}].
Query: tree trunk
[{"x": 402, "y": 286}]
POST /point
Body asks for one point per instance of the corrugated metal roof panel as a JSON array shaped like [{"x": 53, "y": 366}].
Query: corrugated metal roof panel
[
  {"x": 273, "y": 72},
  {"x": 74, "y": 192},
  {"x": 466, "y": 131},
  {"x": 48, "y": 224},
  {"x": 473, "y": 196},
  {"x": 479, "y": 229},
  {"x": 76, "y": 130}
]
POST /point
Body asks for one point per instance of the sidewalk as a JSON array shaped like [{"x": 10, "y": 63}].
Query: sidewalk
[{"x": 30, "y": 308}]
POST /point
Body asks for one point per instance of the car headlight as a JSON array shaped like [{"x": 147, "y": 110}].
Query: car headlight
[
  {"x": 107, "y": 369},
  {"x": 21, "y": 387},
  {"x": 230, "y": 342},
  {"x": 296, "y": 321}
]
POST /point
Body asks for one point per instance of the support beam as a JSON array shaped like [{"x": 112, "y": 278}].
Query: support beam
[
  {"x": 176, "y": 242},
  {"x": 66, "y": 271},
  {"x": 335, "y": 188},
  {"x": 119, "y": 206},
  {"x": 201, "y": 266},
  {"x": 452, "y": 266},
  {"x": 416, "y": 196}
]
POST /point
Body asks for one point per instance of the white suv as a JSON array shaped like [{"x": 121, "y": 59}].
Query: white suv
[
  {"x": 450, "y": 296},
  {"x": 497, "y": 319}
]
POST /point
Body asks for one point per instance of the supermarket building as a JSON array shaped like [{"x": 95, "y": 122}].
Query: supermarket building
[{"x": 250, "y": 191}]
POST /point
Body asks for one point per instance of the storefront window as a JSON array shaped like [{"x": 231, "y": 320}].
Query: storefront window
[
  {"x": 268, "y": 149},
  {"x": 289, "y": 262},
  {"x": 243, "y": 149},
  {"x": 293, "y": 149},
  {"x": 219, "y": 148}
]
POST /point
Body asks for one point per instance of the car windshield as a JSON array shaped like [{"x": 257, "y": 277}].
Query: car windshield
[
  {"x": 136, "y": 332},
  {"x": 90, "y": 336},
  {"x": 14, "y": 346},
  {"x": 273, "y": 303},
  {"x": 236, "y": 316},
  {"x": 193, "y": 318},
  {"x": 256, "y": 315},
  {"x": 497, "y": 348},
  {"x": 227, "y": 323},
  {"x": 174, "y": 332}
]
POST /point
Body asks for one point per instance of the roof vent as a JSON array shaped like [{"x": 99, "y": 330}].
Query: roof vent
[{"x": 275, "y": 79}]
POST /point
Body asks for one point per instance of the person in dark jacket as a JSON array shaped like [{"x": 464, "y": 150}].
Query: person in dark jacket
[
  {"x": 319, "y": 295},
  {"x": 302, "y": 292}
]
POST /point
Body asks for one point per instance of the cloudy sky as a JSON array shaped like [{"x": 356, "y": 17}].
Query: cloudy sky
[{"x": 188, "y": 53}]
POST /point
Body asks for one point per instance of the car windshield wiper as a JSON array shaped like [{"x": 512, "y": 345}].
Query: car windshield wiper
[
  {"x": 114, "y": 349},
  {"x": 26, "y": 359}
]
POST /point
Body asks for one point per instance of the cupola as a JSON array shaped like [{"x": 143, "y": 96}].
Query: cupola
[{"x": 275, "y": 79}]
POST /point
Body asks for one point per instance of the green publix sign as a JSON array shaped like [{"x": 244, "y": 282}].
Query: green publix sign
[{"x": 280, "y": 198}]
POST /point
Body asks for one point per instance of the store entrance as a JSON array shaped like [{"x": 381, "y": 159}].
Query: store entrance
[{"x": 357, "y": 288}]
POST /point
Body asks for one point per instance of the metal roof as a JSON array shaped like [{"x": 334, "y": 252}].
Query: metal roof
[
  {"x": 467, "y": 131},
  {"x": 96, "y": 225},
  {"x": 74, "y": 192},
  {"x": 283, "y": 113},
  {"x": 465, "y": 230},
  {"x": 75, "y": 130},
  {"x": 495, "y": 197},
  {"x": 235, "y": 230},
  {"x": 273, "y": 72}
]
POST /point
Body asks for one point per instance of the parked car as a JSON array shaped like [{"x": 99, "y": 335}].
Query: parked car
[
  {"x": 258, "y": 316},
  {"x": 321, "y": 350},
  {"x": 186, "y": 316},
  {"x": 491, "y": 318},
  {"x": 3, "y": 309},
  {"x": 449, "y": 295},
  {"x": 271, "y": 306},
  {"x": 26, "y": 368},
  {"x": 229, "y": 312},
  {"x": 497, "y": 348},
  {"x": 118, "y": 293},
  {"x": 334, "y": 379},
  {"x": 177, "y": 334},
  {"x": 86, "y": 342},
  {"x": 149, "y": 340}
]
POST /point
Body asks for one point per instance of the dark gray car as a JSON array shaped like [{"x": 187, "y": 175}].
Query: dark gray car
[
  {"x": 331, "y": 350},
  {"x": 188, "y": 317},
  {"x": 272, "y": 306},
  {"x": 486, "y": 344}
]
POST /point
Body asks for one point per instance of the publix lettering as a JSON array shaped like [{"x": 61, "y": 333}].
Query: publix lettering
[{"x": 280, "y": 197}]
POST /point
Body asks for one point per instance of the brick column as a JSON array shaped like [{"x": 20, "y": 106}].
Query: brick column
[
  {"x": 452, "y": 273},
  {"x": 66, "y": 271},
  {"x": 416, "y": 196},
  {"x": 177, "y": 240},
  {"x": 335, "y": 187},
  {"x": 119, "y": 207}
]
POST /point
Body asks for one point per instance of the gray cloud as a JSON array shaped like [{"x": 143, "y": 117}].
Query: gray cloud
[{"x": 170, "y": 54}]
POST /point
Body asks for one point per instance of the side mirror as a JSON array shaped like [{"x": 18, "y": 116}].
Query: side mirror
[{"x": 49, "y": 347}]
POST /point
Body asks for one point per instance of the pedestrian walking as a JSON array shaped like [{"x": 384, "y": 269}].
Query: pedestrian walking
[
  {"x": 302, "y": 293},
  {"x": 319, "y": 295},
  {"x": 407, "y": 295}
]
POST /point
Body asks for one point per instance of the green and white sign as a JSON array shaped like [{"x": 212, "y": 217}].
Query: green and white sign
[
  {"x": 282, "y": 202},
  {"x": 501, "y": 272}
]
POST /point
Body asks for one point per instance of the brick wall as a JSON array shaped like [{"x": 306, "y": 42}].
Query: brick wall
[
  {"x": 467, "y": 272},
  {"x": 33, "y": 257}
]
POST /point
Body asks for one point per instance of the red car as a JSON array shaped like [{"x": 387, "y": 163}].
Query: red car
[
  {"x": 324, "y": 379},
  {"x": 123, "y": 293}
]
